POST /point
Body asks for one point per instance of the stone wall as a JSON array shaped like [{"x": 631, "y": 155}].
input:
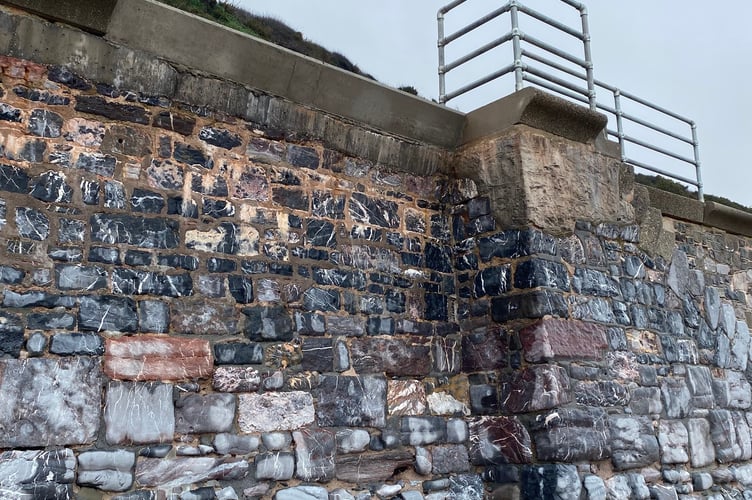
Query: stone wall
[{"x": 214, "y": 292}]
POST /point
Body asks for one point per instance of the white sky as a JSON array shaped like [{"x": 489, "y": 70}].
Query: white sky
[{"x": 688, "y": 56}]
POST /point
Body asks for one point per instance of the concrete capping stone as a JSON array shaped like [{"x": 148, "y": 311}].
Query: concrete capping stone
[
  {"x": 89, "y": 15},
  {"x": 709, "y": 213},
  {"x": 537, "y": 109},
  {"x": 728, "y": 218}
]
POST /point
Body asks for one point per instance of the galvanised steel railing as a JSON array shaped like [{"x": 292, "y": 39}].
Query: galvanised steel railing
[{"x": 572, "y": 77}]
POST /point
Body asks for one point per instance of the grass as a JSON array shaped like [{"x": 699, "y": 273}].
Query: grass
[{"x": 264, "y": 27}]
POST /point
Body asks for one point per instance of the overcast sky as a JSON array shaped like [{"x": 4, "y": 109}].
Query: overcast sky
[{"x": 685, "y": 55}]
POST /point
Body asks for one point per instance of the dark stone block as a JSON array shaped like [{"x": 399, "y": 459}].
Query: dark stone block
[
  {"x": 33, "y": 151},
  {"x": 550, "y": 481},
  {"x": 502, "y": 474},
  {"x": 219, "y": 137},
  {"x": 292, "y": 198},
  {"x": 409, "y": 356},
  {"x": 484, "y": 399},
  {"x": 71, "y": 231},
  {"x": 217, "y": 186},
  {"x": 478, "y": 207},
  {"x": 182, "y": 207},
  {"x": 498, "y": 441},
  {"x": 484, "y": 350},
  {"x": 65, "y": 254},
  {"x": 32, "y": 223},
  {"x": 138, "y": 258},
  {"x": 11, "y": 275},
  {"x": 338, "y": 277},
  {"x": 374, "y": 212},
  {"x": 437, "y": 308},
  {"x": 90, "y": 192},
  {"x": 528, "y": 306},
  {"x": 541, "y": 273},
  {"x": 61, "y": 74},
  {"x": 9, "y": 114},
  {"x": 37, "y": 299},
  {"x": 185, "y": 153},
  {"x": 319, "y": 299},
  {"x": 146, "y": 201},
  {"x": 96, "y": 105},
  {"x": 139, "y": 231},
  {"x": 153, "y": 316},
  {"x": 304, "y": 157},
  {"x": 241, "y": 288},
  {"x": 318, "y": 354},
  {"x": 187, "y": 262},
  {"x": 236, "y": 353},
  {"x": 124, "y": 140},
  {"x": 217, "y": 208},
  {"x": 13, "y": 179},
  {"x": 133, "y": 282},
  {"x": 395, "y": 301},
  {"x": 345, "y": 401},
  {"x": 438, "y": 257},
  {"x": 281, "y": 269},
  {"x": 45, "y": 123},
  {"x": 77, "y": 277},
  {"x": 182, "y": 124},
  {"x": 536, "y": 388},
  {"x": 325, "y": 204},
  {"x": 492, "y": 281},
  {"x": 107, "y": 312},
  {"x": 594, "y": 282},
  {"x": 51, "y": 187},
  {"x": 321, "y": 233},
  {"x": 420, "y": 431},
  {"x": 268, "y": 323},
  {"x": 513, "y": 244},
  {"x": 217, "y": 265},
  {"x": 98, "y": 164},
  {"x": 11, "y": 334},
  {"x": 114, "y": 195},
  {"x": 77, "y": 344},
  {"x": 572, "y": 435}
]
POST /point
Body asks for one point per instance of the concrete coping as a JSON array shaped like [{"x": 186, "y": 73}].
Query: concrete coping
[
  {"x": 709, "y": 213},
  {"x": 180, "y": 38}
]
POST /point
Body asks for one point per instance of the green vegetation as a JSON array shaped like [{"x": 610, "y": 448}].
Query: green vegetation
[
  {"x": 664, "y": 184},
  {"x": 267, "y": 28}
]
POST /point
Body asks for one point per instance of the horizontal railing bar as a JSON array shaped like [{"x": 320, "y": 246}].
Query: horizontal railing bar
[
  {"x": 612, "y": 132},
  {"x": 554, "y": 65},
  {"x": 646, "y": 103},
  {"x": 472, "y": 55},
  {"x": 550, "y": 21},
  {"x": 477, "y": 83},
  {"x": 543, "y": 83},
  {"x": 553, "y": 50},
  {"x": 662, "y": 172},
  {"x": 470, "y": 27},
  {"x": 451, "y": 6},
  {"x": 608, "y": 109},
  {"x": 657, "y": 128},
  {"x": 576, "y": 5},
  {"x": 558, "y": 81},
  {"x": 658, "y": 149}
]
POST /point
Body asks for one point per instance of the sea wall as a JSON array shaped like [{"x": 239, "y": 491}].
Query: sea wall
[{"x": 212, "y": 286}]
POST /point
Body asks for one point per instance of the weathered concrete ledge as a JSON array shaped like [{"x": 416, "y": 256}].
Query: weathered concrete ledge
[
  {"x": 708, "y": 213},
  {"x": 89, "y": 15}
]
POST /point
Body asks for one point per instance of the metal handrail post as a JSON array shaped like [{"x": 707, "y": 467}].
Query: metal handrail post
[
  {"x": 442, "y": 75},
  {"x": 619, "y": 124},
  {"x": 696, "y": 147},
  {"x": 516, "y": 47},
  {"x": 588, "y": 57}
]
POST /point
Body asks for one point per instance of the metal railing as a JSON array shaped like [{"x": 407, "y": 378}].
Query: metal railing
[{"x": 546, "y": 66}]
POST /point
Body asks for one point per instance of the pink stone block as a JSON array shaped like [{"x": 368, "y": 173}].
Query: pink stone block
[
  {"x": 154, "y": 357},
  {"x": 551, "y": 339}
]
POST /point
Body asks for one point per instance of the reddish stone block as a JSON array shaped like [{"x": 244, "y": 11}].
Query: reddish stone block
[
  {"x": 551, "y": 339},
  {"x": 153, "y": 357},
  {"x": 499, "y": 440},
  {"x": 537, "y": 388}
]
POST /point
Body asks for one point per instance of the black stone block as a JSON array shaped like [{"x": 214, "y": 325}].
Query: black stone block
[
  {"x": 90, "y": 192},
  {"x": 241, "y": 288},
  {"x": 317, "y": 354},
  {"x": 33, "y": 151},
  {"x": 9, "y": 114},
  {"x": 219, "y": 137},
  {"x": 436, "y": 307},
  {"x": 321, "y": 233},
  {"x": 185, "y": 153},
  {"x": 138, "y": 258},
  {"x": 153, "y": 316},
  {"x": 179, "y": 206},
  {"x": 11, "y": 334},
  {"x": 516, "y": 243},
  {"x": 301, "y": 156},
  {"x": 133, "y": 282},
  {"x": 268, "y": 323},
  {"x": 492, "y": 281},
  {"x": 541, "y": 273},
  {"x": 181, "y": 124},
  {"x": 529, "y": 306},
  {"x": 373, "y": 211},
  {"x": 77, "y": 344},
  {"x": 217, "y": 265},
  {"x": 98, "y": 164},
  {"x": 96, "y": 105},
  {"x": 319, "y": 299},
  {"x": 11, "y": 275},
  {"x": 187, "y": 262},
  {"x": 217, "y": 208},
  {"x": 291, "y": 198},
  {"x": 139, "y": 231},
  {"x": 326, "y": 204},
  {"x": 146, "y": 201},
  {"x": 45, "y": 123},
  {"x": 438, "y": 258},
  {"x": 61, "y": 74},
  {"x": 107, "y": 312},
  {"x": 237, "y": 353},
  {"x": 13, "y": 179},
  {"x": 216, "y": 187}
]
